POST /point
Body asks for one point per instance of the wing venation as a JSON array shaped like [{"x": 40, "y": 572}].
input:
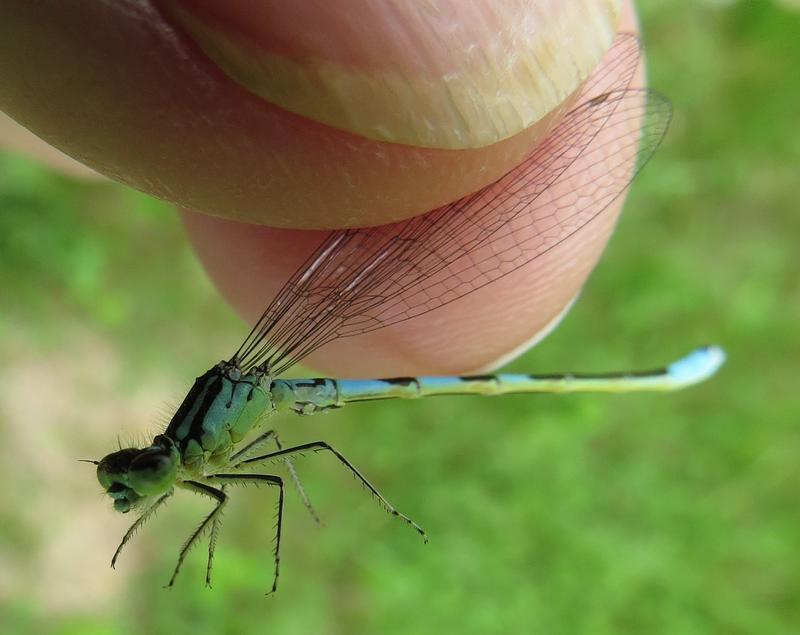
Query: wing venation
[{"x": 360, "y": 280}]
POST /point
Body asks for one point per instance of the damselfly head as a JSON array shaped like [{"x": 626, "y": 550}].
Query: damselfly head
[{"x": 131, "y": 474}]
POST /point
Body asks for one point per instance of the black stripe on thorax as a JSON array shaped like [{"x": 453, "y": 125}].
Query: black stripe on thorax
[
  {"x": 188, "y": 401},
  {"x": 196, "y": 426}
]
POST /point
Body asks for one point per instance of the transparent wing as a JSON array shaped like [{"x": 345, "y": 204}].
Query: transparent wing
[{"x": 360, "y": 280}]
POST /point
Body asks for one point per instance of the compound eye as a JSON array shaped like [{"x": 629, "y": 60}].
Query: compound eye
[
  {"x": 150, "y": 462},
  {"x": 113, "y": 467},
  {"x": 104, "y": 478},
  {"x": 152, "y": 472}
]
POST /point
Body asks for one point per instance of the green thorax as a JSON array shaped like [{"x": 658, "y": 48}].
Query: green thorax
[{"x": 223, "y": 405}]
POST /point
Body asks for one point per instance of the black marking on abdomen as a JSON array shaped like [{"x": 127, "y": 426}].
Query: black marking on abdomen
[
  {"x": 405, "y": 382},
  {"x": 309, "y": 383},
  {"x": 300, "y": 406}
]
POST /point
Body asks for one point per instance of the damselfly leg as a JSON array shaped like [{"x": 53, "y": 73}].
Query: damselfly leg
[
  {"x": 237, "y": 459},
  {"x": 258, "y": 479},
  {"x": 321, "y": 446},
  {"x": 212, "y": 542},
  {"x": 138, "y": 524},
  {"x": 205, "y": 490},
  {"x": 234, "y": 462}
]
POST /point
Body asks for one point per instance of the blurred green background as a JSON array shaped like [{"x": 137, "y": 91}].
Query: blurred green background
[{"x": 581, "y": 514}]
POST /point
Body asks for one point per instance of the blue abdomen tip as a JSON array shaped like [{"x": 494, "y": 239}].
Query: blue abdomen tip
[{"x": 698, "y": 365}]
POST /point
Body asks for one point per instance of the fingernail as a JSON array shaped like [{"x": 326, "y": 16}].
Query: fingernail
[{"x": 440, "y": 74}]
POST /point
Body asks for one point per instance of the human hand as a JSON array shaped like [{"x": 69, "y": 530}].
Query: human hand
[{"x": 225, "y": 162}]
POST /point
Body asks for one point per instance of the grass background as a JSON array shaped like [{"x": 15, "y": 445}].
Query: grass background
[{"x": 580, "y": 514}]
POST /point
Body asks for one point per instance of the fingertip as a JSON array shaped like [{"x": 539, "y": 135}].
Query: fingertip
[{"x": 250, "y": 263}]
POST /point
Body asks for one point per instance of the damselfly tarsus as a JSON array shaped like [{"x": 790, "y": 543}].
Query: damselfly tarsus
[{"x": 360, "y": 280}]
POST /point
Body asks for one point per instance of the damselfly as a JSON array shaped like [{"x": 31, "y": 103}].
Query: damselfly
[{"x": 360, "y": 280}]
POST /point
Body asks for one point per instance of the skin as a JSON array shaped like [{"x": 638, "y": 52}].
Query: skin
[{"x": 249, "y": 263}]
